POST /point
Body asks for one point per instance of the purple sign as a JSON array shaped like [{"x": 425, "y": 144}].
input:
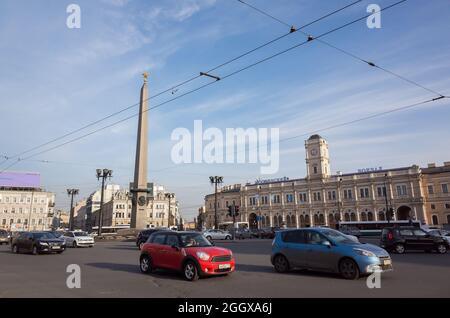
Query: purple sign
[{"x": 20, "y": 179}]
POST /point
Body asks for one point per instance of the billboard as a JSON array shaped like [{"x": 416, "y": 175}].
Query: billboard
[{"x": 20, "y": 179}]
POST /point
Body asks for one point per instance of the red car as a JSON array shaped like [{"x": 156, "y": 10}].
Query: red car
[{"x": 188, "y": 252}]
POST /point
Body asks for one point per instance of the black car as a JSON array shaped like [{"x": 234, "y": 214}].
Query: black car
[
  {"x": 401, "y": 239},
  {"x": 4, "y": 237},
  {"x": 37, "y": 242},
  {"x": 145, "y": 234},
  {"x": 242, "y": 234}
]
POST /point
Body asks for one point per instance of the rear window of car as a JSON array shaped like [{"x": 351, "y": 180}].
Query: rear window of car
[
  {"x": 406, "y": 233},
  {"x": 157, "y": 239},
  {"x": 293, "y": 237}
]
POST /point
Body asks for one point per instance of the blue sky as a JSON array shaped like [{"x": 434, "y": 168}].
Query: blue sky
[{"x": 54, "y": 79}]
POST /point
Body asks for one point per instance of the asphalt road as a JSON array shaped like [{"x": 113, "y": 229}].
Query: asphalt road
[{"x": 110, "y": 269}]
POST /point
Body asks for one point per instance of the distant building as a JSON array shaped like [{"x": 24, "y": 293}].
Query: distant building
[
  {"x": 24, "y": 205},
  {"x": 79, "y": 215},
  {"x": 323, "y": 198},
  {"x": 117, "y": 208}
]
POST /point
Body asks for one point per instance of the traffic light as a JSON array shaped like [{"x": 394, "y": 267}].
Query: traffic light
[
  {"x": 390, "y": 214},
  {"x": 230, "y": 210}
]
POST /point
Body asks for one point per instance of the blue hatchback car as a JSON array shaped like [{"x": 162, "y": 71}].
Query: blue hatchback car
[{"x": 324, "y": 249}]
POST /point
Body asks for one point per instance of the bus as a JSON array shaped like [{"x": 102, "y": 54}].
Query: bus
[
  {"x": 372, "y": 228},
  {"x": 228, "y": 226}
]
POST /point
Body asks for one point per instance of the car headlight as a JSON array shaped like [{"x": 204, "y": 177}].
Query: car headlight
[
  {"x": 43, "y": 243},
  {"x": 364, "y": 252},
  {"x": 203, "y": 256}
]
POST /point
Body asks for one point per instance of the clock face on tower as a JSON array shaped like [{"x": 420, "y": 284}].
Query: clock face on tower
[
  {"x": 314, "y": 152},
  {"x": 142, "y": 200}
]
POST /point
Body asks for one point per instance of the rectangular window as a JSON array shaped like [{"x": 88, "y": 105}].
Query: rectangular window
[
  {"x": 316, "y": 196},
  {"x": 289, "y": 198},
  {"x": 433, "y": 207},
  {"x": 265, "y": 199},
  {"x": 447, "y": 205},
  {"x": 275, "y": 198},
  {"x": 302, "y": 197},
  {"x": 444, "y": 188},
  {"x": 401, "y": 190},
  {"x": 348, "y": 194},
  {"x": 364, "y": 193},
  {"x": 381, "y": 191},
  {"x": 430, "y": 189}
]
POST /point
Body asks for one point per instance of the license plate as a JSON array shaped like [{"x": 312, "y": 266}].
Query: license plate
[
  {"x": 223, "y": 266},
  {"x": 55, "y": 247},
  {"x": 387, "y": 262}
]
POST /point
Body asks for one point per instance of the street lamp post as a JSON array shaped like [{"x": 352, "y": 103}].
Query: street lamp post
[
  {"x": 170, "y": 196},
  {"x": 103, "y": 174},
  {"x": 215, "y": 180},
  {"x": 31, "y": 208},
  {"x": 71, "y": 193},
  {"x": 386, "y": 200},
  {"x": 339, "y": 198}
]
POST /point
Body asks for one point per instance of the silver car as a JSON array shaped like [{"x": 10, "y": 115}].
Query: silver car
[
  {"x": 217, "y": 235},
  {"x": 78, "y": 239}
]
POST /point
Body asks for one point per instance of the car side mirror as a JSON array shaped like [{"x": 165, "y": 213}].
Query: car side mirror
[{"x": 327, "y": 243}]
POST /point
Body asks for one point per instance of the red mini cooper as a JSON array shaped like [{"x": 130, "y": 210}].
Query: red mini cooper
[{"x": 188, "y": 252}]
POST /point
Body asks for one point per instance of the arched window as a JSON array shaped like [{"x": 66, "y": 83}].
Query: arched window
[
  {"x": 381, "y": 216},
  {"x": 275, "y": 220},
  {"x": 280, "y": 220},
  {"x": 302, "y": 221},
  {"x": 448, "y": 218},
  {"x": 288, "y": 220},
  {"x": 307, "y": 221},
  {"x": 352, "y": 216},
  {"x": 263, "y": 221},
  {"x": 267, "y": 220},
  {"x": 331, "y": 218},
  {"x": 347, "y": 217},
  {"x": 435, "y": 220},
  {"x": 369, "y": 216},
  {"x": 316, "y": 219},
  {"x": 293, "y": 221},
  {"x": 321, "y": 219},
  {"x": 363, "y": 216}
]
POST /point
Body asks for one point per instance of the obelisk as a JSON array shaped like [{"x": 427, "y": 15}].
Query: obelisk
[{"x": 139, "y": 187}]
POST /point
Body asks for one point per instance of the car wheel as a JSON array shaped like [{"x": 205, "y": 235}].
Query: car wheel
[
  {"x": 15, "y": 249},
  {"x": 441, "y": 248},
  {"x": 209, "y": 238},
  {"x": 348, "y": 269},
  {"x": 228, "y": 237},
  {"x": 145, "y": 264},
  {"x": 399, "y": 248},
  {"x": 281, "y": 264},
  {"x": 190, "y": 271},
  {"x": 34, "y": 250},
  {"x": 74, "y": 244}
]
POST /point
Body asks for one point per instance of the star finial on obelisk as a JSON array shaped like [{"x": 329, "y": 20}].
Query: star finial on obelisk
[{"x": 145, "y": 75}]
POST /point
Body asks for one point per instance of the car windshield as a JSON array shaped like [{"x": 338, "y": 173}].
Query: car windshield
[
  {"x": 80, "y": 234},
  {"x": 336, "y": 236},
  {"x": 44, "y": 236},
  {"x": 194, "y": 240}
]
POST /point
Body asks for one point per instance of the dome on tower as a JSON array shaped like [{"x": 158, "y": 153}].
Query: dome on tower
[{"x": 315, "y": 137}]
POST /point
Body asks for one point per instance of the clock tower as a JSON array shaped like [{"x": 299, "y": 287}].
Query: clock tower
[{"x": 317, "y": 158}]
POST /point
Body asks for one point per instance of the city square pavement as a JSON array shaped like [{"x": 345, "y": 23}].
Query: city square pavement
[{"x": 110, "y": 269}]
